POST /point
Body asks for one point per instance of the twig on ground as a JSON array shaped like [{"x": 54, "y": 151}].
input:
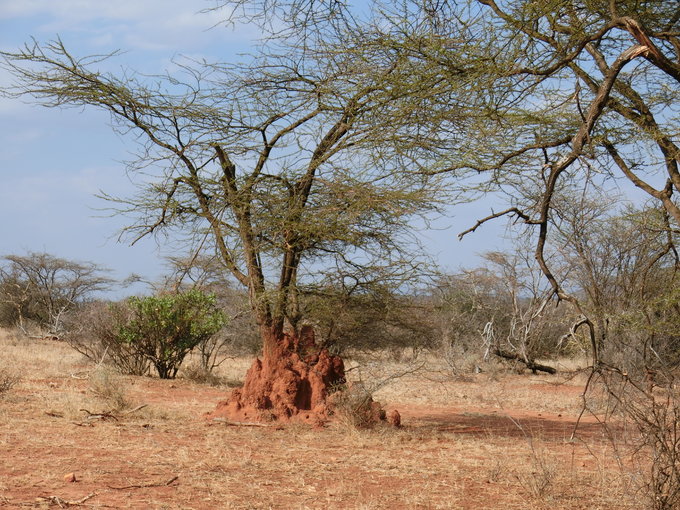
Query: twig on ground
[
  {"x": 63, "y": 503},
  {"x": 135, "y": 409},
  {"x": 241, "y": 423},
  {"x": 98, "y": 416},
  {"x": 145, "y": 485}
]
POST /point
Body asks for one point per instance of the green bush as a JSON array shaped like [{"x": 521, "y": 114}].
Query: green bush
[
  {"x": 166, "y": 328},
  {"x": 93, "y": 331}
]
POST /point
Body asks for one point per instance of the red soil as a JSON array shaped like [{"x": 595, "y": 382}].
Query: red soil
[{"x": 291, "y": 383}]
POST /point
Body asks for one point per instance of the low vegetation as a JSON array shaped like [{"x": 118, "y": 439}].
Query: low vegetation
[
  {"x": 487, "y": 441},
  {"x": 154, "y": 331},
  {"x": 8, "y": 379},
  {"x": 305, "y": 170}
]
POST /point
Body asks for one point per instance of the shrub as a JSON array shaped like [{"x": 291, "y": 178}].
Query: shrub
[
  {"x": 108, "y": 387},
  {"x": 354, "y": 408},
  {"x": 141, "y": 332},
  {"x": 166, "y": 328},
  {"x": 8, "y": 380},
  {"x": 93, "y": 332},
  {"x": 200, "y": 375}
]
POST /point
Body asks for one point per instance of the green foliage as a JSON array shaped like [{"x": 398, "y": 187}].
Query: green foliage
[
  {"x": 373, "y": 319},
  {"x": 93, "y": 332},
  {"x": 166, "y": 328}
]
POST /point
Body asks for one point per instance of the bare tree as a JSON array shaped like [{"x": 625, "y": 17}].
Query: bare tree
[
  {"x": 502, "y": 309},
  {"x": 42, "y": 288}
]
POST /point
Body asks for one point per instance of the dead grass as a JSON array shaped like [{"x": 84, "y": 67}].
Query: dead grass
[
  {"x": 458, "y": 447},
  {"x": 108, "y": 386},
  {"x": 8, "y": 379}
]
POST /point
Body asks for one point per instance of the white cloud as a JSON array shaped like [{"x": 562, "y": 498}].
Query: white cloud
[
  {"x": 132, "y": 24},
  {"x": 69, "y": 12}
]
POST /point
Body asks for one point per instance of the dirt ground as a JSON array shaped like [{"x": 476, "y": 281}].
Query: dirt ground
[{"x": 486, "y": 441}]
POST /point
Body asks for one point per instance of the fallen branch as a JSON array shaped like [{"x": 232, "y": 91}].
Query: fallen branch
[
  {"x": 241, "y": 423},
  {"x": 98, "y": 416},
  {"x": 531, "y": 365},
  {"x": 135, "y": 409},
  {"x": 63, "y": 503},
  {"x": 146, "y": 485}
]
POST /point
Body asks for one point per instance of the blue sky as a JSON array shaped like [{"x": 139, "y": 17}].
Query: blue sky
[{"x": 53, "y": 162}]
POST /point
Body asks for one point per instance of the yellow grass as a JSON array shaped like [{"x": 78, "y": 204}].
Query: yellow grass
[{"x": 459, "y": 447}]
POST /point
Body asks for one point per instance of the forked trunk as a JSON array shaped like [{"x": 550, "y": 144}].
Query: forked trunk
[{"x": 291, "y": 382}]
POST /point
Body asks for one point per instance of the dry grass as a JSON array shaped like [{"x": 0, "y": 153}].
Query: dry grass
[
  {"x": 458, "y": 448},
  {"x": 109, "y": 387},
  {"x": 9, "y": 378}
]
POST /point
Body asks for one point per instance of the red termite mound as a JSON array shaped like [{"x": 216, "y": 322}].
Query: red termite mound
[{"x": 290, "y": 383}]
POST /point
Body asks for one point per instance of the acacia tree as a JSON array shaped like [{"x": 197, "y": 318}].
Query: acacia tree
[
  {"x": 534, "y": 100},
  {"x": 626, "y": 268},
  {"x": 573, "y": 93},
  {"x": 277, "y": 166},
  {"x": 42, "y": 288}
]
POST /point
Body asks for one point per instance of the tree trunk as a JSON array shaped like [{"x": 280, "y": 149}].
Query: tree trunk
[{"x": 290, "y": 383}]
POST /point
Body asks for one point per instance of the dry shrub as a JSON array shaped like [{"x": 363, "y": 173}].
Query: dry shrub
[
  {"x": 8, "y": 379},
  {"x": 460, "y": 359},
  {"x": 202, "y": 375},
  {"x": 539, "y": 477},
  {"x": 354, "y": 408},
  {"x": 651, "y": 405},
  {"x": 109, "y": 387},
  {"x": 93, "y": 333}
]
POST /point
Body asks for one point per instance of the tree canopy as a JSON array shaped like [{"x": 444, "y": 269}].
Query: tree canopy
[
  {"x": 276, "y": 165},
  {"x": 551, "y": 99},
  {"x": 305, "y": 165}
]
